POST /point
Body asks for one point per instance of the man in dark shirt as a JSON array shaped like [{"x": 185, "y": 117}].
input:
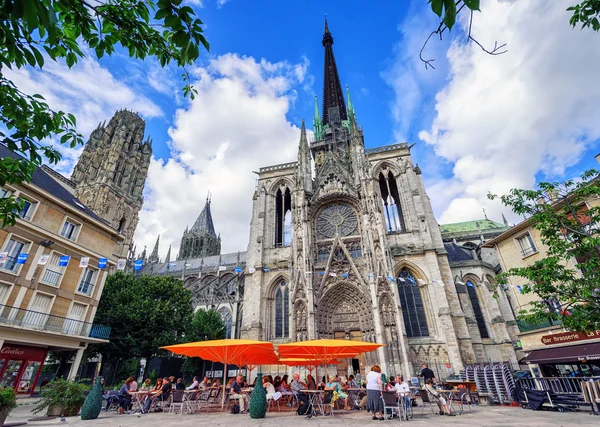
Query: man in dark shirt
[
  {"x": 236, "y": 392},
  {"x": 427, "y": 373}
]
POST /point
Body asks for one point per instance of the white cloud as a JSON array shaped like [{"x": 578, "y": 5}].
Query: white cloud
[
  {"x": 502, "y": 119},
  {"x": 87, "y": 90},
  {"x": 236, "y": 124}
]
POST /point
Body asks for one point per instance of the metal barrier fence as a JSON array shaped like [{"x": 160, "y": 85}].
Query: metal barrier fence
[{"x": 583, "y": 389}]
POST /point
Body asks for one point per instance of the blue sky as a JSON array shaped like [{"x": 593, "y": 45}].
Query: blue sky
[{"x": 480, "y": 123}]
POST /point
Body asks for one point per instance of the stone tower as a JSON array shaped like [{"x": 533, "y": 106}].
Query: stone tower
[
  {"x": 112, "y": 170},
  {"x": 353, "y": 251},
  {"x": 200, "y": 240}
]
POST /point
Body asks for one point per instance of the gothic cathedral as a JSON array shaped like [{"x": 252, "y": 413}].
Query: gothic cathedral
[
  {"x": 353, "y": 251},
  {"x": 111, "y": 172}
]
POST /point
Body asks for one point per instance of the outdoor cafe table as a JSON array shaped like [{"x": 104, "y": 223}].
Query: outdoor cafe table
[
  {"x": 354, "y": 394},
  {"x": 139, "y": 397},
  {"x": 312, "y": 395}
]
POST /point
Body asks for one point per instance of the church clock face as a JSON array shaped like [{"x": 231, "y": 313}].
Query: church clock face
[{"x": 337, "y": 219}]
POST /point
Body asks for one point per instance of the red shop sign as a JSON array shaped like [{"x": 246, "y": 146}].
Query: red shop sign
[
  {"x": 564, "y": 337},
  {"x": 23, "y": 352}
]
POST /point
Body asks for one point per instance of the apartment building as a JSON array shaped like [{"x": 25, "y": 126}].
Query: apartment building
[
  {"x": 53, "y": 266},
  {"x": 551, "y": 350}
]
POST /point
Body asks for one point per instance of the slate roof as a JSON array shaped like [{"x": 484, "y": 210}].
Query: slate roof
[
  {"x": 209, "y": 263},
  {"x": 204, "y": 223},
  {"x": 477, "y": 225},
  {"x": 45, "y": 182},
  {"x": 457, "y": 253}
]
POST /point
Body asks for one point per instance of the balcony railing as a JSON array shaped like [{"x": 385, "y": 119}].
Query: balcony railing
[
  {"x": 30, "y": 319},
  {"x": 525, "y": 326}
]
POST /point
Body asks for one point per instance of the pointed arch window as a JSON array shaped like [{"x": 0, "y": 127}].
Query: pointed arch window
[
  {"x": 283, "y": 217},
  {"x": 411, "y": 301},
  {"x": 227, "y": 320},
  {"x": 392, "y": 209},
  {"x": 472, "y": 292},
  {"x": 282, "y": 310}
]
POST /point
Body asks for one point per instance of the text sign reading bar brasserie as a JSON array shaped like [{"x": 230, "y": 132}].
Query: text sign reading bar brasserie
[{"x": 569, "y": 337}]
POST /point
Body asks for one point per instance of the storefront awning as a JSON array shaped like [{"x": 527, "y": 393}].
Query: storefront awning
[{"x": 572, "y": 353}]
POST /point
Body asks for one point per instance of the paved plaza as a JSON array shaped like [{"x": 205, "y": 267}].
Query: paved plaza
[{"x": 480, "y": 416}]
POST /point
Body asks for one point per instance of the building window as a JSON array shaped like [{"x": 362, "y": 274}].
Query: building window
[
  {"x": 13, "y": 249},
  {"x": 53, "y": 272},
  {"x": 526, "y": 245},
  {"x": 74, "y": 322},
  {"x": 87, "y": 281},
  {"x": 28, "y": 209},
  {"x": 4, "y": 193},
  {"x": 4, "y": 293},
  {"x": 282, "y": 310},
  {"x": 283, "y": 217},
  {"x": 392, "y": 209},
  {"x": 69, "y": 230},
  {"x": 413, "y": 310},
  {"x": 472, "y": 292},
  {"x": 227, "y": 320}
]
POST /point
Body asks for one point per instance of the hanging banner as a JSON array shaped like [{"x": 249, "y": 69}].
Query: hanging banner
[
  {"x": 238, "y": 269},
  {"x": 421, "y": 281},
  {"x": 3, "y": 256},
  {"x": 121, "y": 262},
  {"x": 251, "y": 270},
  {"x": 102, "y": 262},
  {"x": 520, "y": 289},
  {"x": 401, "y": 279},
  {"x": 333, "y": 274},
  {"x": 137, "y": 265},
  {"x": 344, "y": 275},
  {"x": 84, "y": 261},
  {"x": 222, "y": 268},
  {"x": 43, "y": 259},
  {"x": 411, "y": 281},
  {"x": 266, "y": 270},
  {"x": 172, "y": 264},
  {"x": 321, "y": 273},
  {"x": 64, "y": 261},
  {"x": 22, "y": 258}
]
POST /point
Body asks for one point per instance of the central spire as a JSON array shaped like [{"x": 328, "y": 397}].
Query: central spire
[
  {"x": 204, "y": 223},
  {"x": 332, "y": 88}
]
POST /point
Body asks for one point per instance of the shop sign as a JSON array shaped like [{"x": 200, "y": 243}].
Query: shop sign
[
  {"x": 23, "y": 352},
  {"x": 565, "y": 337}
]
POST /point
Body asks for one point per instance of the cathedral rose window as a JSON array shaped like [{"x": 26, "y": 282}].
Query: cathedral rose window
[{"x": 336, "y": 219}]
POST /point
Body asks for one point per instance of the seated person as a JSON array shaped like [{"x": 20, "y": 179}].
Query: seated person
[
  {"x": 146, "y": 385},
  {"x": 437, "y": 398},
  {"x": 179, "y": 385},
  {"x": 286, "y": 389},
  {"x": 195, "y": 384},
  {"x": 310, "y": 382},
  {"x": 124, "y": 396},
  {"x": 335, "y": 386},
  {"x": 298, "y": 388},
  {"x": 161, "y": 395},
  {"x": 269, "y": 388},
  {"x": 351, "y": 383},
  {"x": 236, "y": 392},
  {"x": 403, "y": 391}
]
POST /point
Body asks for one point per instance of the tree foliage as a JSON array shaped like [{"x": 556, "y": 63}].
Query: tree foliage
[
  {"x": 144, "y": 313},
  {"x": 567, "y": 278},
  {"x": 585, "y": 13},
  {"x": 205, "y": 325},
  {"x": 35, "y": 32}
]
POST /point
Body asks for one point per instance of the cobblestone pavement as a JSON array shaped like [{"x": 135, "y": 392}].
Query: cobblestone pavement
[{"x": 480, "y": 416}]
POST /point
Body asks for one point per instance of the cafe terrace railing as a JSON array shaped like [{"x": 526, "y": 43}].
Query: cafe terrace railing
[{"x": 12, "y": 316}]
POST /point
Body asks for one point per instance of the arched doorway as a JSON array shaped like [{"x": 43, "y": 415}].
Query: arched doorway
[{"x": 345, "y": 312}]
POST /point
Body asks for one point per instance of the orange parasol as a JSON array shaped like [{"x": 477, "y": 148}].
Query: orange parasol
[
  {"x": 237, "y": 352},
  {"x": 309, "y": 364},
  {"x": 323, "y": 350}
]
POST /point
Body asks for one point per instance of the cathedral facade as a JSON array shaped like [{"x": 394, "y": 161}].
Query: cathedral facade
[
  {"x": 344, "y": 244},
  {"x": 353, "y": 250}
]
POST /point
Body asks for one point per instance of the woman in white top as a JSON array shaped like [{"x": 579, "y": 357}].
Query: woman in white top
[
  {"x": 268, "y": 388},
  {"x": 374, "y": 392}
]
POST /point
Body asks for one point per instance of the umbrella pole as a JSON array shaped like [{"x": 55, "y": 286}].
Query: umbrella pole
[{"x": 224, "y": 385}]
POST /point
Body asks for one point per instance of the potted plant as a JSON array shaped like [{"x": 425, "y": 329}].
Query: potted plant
[
  {"x": 8, "y": 401},
  {"x": 62, "y": 397}
]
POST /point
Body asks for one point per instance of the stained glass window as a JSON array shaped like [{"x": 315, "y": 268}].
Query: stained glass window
[
  {"x": 477, "y": 310},
  {"x": 282, "y": 311},
  {"x": 413, "y": 310}
]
